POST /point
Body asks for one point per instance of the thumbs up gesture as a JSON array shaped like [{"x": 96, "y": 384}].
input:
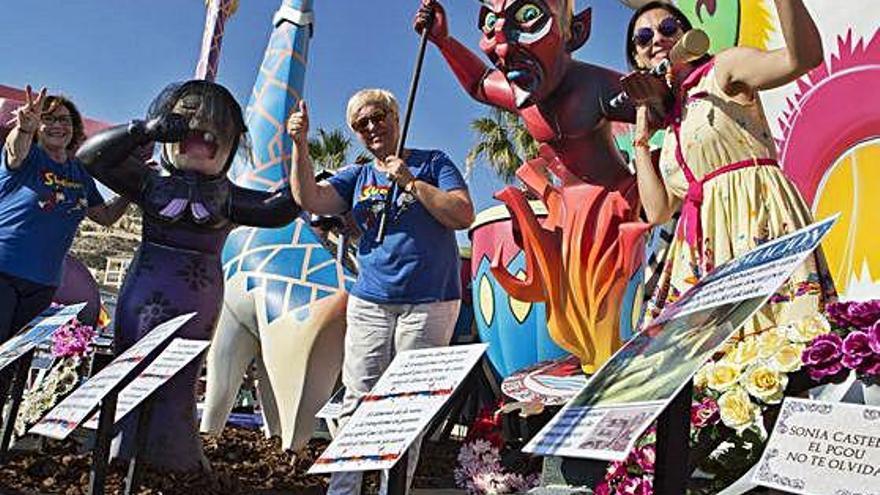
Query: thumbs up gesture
[{"x": 298, "y": 124}]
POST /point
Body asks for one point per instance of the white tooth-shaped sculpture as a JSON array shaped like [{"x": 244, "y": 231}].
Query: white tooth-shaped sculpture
[{"x": 208, "y": 137}]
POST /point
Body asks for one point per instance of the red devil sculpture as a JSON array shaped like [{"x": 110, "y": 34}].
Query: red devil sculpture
[{"x": 580, "y": 259}]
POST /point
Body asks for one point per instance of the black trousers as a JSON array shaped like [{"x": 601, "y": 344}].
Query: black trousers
[{"x": 20, "y": 301}]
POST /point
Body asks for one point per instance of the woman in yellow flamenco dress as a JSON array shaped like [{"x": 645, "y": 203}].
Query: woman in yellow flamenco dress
[{"x": 718, "y": 160}]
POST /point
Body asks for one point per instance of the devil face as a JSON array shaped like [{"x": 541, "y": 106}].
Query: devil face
[{"x": 526, "y": 41}]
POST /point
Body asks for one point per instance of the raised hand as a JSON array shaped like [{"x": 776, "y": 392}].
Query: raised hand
[
  {"x": 29, "y": 116},
  {"x": 439, "y": 27},
  {"x": 168, "y": 128},
  {"x": 298, "y": 124}
]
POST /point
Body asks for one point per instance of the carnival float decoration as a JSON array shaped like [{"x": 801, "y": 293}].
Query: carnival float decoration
[
  {"x": 285, "y": 292},
  {"x": 580, "y": 260},
  {"x": 189, "y": 209}
]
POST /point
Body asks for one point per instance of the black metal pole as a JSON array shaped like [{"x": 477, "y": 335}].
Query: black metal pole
[
  {"x": 133, "y": 478},
  {"x": 397, "y": 476},
  {"x": 413, "y": 87},
  {"x": 673, "y": 434},
  {"x": 101, "y": 452},
  {"x": 19, "y": 381}
]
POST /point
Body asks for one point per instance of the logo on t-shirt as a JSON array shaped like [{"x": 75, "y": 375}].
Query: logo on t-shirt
[{"x": 63, "y": 192}]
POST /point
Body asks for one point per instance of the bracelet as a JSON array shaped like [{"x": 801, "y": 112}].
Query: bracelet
[{"x": 641, "y": 142}]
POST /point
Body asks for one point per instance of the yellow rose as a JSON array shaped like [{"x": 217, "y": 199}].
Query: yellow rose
[
  {"x": 788, "y": 358},
  {"x": 745, "y": 353},
  {"x": 770, "y": 341},
  {"x": 701, "y": 378},
  {"x": 765, "y": 383},
  {"x": 721, "y": 376},
  {"x": 737, "y": 410},
  {"x": 808, "y": 328}
]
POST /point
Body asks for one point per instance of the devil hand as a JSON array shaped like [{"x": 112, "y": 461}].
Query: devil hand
[{"x": 431, "y": 12}]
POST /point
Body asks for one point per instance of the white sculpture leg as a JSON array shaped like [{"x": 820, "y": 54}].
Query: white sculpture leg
[
  {"x": 232, "y": 350},
  {"x": 303, "y": 361},
  {"x": 268, "y": 406}
]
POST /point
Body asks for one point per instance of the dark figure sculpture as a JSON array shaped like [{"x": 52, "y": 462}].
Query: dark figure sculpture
[{"x": 189, "y": 209}]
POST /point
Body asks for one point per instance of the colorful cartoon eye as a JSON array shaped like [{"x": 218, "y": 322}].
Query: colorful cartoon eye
[
  {"x": 528, "y": 13},
  {"x": 489, "y": 22}
]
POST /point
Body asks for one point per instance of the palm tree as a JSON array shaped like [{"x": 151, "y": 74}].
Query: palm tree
[
  {"x": 329, "y": 150},
  {"x": 503, "y": 141}
]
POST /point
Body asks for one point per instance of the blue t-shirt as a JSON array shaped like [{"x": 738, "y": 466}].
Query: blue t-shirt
[
  {"x": 41, "y": 205},
  {"x": 419, "y": 260}
]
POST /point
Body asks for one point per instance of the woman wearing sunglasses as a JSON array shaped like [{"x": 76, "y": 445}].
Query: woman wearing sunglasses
[
  {"x": 44, "y": 195},
  {"x": 408, "y": 291},
  {"x": 718, "y": 159}
]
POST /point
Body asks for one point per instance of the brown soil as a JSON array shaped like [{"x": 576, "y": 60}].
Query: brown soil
[{"x": 244, "y": 462}]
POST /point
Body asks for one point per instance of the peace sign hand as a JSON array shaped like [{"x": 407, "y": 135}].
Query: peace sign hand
[{"x": 28, "y": 116}]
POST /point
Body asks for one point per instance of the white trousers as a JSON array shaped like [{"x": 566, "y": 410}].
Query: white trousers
[{"x": 374, "y": 334}]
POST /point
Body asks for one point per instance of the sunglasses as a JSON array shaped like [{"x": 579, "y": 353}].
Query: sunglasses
[
  {"x": 667, "y": 27},
  {"x": 376, "y": 118}
]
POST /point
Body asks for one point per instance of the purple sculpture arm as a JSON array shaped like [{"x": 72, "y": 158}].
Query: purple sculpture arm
[
  {"x": 108, "y": 157},
  {"x": 262, "y": 209}
]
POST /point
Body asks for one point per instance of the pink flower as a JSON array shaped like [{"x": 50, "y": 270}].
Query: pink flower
[
  {"x": 646, "y": 457},
  {"x": 602, "y": 489},
  {"x": 856, "y": 314},
  {"x": 856, "y": 347},
  {"x": 823, "y": 356},
  {"x": 616, "y": 471},
  {"x": 705, "y": 413},
  {"x": 874, "y": 337},
  {"x": 637, "y": 486},
  {"x": 869, "y": 366},
  {"x": 72, "y": 339}
]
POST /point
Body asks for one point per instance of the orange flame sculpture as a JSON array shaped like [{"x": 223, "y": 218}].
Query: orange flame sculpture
[{"x": 580, "y": 260}]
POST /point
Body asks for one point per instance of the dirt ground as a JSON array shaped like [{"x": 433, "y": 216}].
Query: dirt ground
[{"x": 244, "y": 462}]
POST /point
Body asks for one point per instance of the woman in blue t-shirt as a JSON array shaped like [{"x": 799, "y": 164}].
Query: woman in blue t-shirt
[
  {"x": 408, "y": 291},
  {"x": 44, "y": 194}
]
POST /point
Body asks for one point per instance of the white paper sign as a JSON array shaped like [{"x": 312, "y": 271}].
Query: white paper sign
[
  {"x": 76, "y": 407},
  {"x": 757, "y": 273},
  {"x": 178, "y": 354},
  {"x": 823, "y": 448},
  {"x": 38, "y": 330},
  {"x": 632, "y": 389},
  {"x": 408, "y": 395},
  {"x": 332, "y": 409}
]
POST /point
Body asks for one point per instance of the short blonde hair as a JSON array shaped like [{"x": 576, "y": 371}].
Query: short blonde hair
[{"x": 379, "y": 97}]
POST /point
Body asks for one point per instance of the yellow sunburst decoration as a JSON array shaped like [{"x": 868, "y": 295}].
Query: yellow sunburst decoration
[{"x": 756, "y": 24}]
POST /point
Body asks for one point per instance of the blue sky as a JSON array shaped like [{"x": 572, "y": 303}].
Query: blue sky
[{"x": 113, "y": 56}]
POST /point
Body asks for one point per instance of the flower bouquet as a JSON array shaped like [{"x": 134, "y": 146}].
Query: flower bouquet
[
  {"x": 483, "y": 466},
  {"x": 737, "y": 393},
  {"x": 852, "y": 345},
  {"x": 70, "y": 348}
]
